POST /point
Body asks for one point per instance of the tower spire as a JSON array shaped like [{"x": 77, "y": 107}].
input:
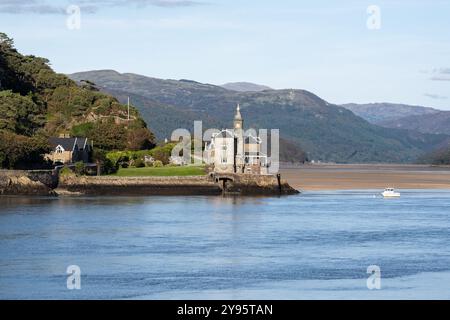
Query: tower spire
[{"x": 238, "y": 112}]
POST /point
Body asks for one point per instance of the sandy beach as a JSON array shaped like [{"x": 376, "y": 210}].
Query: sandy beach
[{"x": 349, "y": 177}]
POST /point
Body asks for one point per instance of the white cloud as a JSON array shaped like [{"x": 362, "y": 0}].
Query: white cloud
[{"x": 44, "y": 7}]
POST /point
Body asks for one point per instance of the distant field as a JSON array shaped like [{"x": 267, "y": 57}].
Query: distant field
[{"x": 161, "y": 172}]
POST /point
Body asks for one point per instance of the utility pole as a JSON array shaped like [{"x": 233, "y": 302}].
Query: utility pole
[{"x": 128, "y": 108}]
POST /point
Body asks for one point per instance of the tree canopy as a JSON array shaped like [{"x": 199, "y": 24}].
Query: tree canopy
[{"x": 36, "y": 103}]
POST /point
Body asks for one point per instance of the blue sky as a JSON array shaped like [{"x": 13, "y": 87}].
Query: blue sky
[{"x": 321, "y": 46}]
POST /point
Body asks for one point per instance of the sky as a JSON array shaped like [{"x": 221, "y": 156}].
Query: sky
[{"x": 342, "y": 50}]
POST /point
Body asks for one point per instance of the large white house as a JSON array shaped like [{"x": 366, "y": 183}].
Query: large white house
[{"x": 233, "y": 151}]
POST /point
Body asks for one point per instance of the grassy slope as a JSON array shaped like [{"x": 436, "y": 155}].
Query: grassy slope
[{"x": 161, "y": 172}]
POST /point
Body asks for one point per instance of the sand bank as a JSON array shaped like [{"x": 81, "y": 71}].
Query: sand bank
[{"x": 350, "y": 177}]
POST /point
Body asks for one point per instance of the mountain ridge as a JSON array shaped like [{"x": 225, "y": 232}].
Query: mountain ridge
[
  {"x": 245, "y": 87},
  {"x": 327, "y": 132},
  {"x": 417, "y": 118}
]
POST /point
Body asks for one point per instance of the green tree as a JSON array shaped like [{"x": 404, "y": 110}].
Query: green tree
[
  {"x": 21, "y": 152},
  {"x": 140, "y": 139},
  {"x": 19, "y": 113},
  {"x": 80, "y": 168},
  {"x": 107, "y": 136},
  {"x": 104, "y": 165},
  {"x": 36, "y": 102}
]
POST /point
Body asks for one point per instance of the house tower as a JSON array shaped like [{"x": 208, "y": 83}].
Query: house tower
[{"x": 239, "y": 134}]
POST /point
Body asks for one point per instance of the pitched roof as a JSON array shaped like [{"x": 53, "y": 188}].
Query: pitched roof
[
  {"x": 82, "y": 143},
  {"x": 68, "y": 144},
  {"x": 252, "y": 140},
  {"x": 224, "y": 134}
]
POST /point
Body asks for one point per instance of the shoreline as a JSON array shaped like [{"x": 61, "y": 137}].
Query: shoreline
[
  {"x": 330, "y": 177},
  {"x": 317, "y": 177},
  {"x": 211, "y": 185},
  {"x": 49, "y": 183}
]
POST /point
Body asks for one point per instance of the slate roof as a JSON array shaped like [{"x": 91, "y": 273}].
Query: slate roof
[{"x": 69, "y": 144}]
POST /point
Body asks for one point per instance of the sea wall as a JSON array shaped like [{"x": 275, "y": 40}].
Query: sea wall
[
  {"x": 14, "y": 182},
  {"x": 17, "y": 182},
  {"x": 105, "y": 185},
  {"x": 196, "y": 185},
  {"x": 250, "y": 184}
]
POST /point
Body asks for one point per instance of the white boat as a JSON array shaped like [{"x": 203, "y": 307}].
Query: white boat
[{"x": 390, "y": 193}]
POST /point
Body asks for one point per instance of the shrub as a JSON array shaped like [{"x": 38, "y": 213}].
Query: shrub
[
  {"x": 82, "y": 130},
  {"x": 108, "y": 167},
  {"x": 65, "y": 172},
  {"x": 106, "y": 164},
  {"x": 139, "y": 163},
  {"x": 79, "y": 168},
  {"x": 158, "y": 164}
]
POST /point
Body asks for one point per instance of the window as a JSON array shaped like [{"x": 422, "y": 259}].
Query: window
[{"x": 224, "y": 153}]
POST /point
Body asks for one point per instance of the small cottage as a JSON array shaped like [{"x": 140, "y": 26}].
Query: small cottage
[{"x": 68, "y": 150}]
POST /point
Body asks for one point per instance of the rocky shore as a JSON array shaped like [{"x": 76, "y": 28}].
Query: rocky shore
[
  {"x": 48, "y": 183},
  {"x": 35, "y": 183}
]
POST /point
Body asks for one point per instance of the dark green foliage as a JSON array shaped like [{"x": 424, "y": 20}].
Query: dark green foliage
[
  {"x": 66, "y": 172},
  {"x": 163, "y": 153},
  {"x": 139, "y": 163},
  {"x": 291, "y": 153},
  {"x": 34, "y": 100},
  {"x": 82, "y": 130},
  {"x": 107, "y": 136},
  {"x": 19, "y": 114},
  {"x": 160, "y": 155},
  {"x": 106, "y": 165},
  {"x": 17, "y": 151},
  {"x": 440, "y": 156},
  {"x": 140, "y": 139},
  {"x": 79, "y": 168}
]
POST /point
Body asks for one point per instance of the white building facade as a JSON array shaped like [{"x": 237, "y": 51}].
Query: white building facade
[{"x": 232, "y": 151}]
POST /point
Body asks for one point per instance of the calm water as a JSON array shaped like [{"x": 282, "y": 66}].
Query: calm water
[{"x": 315, "y": 245}]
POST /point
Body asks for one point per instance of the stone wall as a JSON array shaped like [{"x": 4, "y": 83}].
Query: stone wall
[
  {"x": 251, "y": 184},
  {"x": 13, "y": 182},
  {"x": 104, "y": 185}
]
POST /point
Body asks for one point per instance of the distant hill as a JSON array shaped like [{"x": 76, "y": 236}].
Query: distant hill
[
  {"x": 245, "y": 87},
  {"x": 325, "y": 131},
  {"x": 382, "y": 113},
  {"x": 438, "y": 123},
  {"x": 440, "y": 156},
  {"x": 389, "y": 115},
  {"x": 36, "y": 102}
]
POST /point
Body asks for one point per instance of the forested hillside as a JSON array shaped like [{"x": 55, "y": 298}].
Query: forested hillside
[
  {"x": 36, "y": 103},
  {"x": 400, "y": 116},
  {"x": 326, "y": 132}
]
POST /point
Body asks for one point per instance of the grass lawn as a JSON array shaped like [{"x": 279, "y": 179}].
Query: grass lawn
[{"x": 161, "y": 172}]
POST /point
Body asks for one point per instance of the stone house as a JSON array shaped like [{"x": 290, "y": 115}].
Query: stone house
[{"x": 67, "y": 150}]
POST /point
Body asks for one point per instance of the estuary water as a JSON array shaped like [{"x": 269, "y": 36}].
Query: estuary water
[{"x": 317, "y": 245}]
